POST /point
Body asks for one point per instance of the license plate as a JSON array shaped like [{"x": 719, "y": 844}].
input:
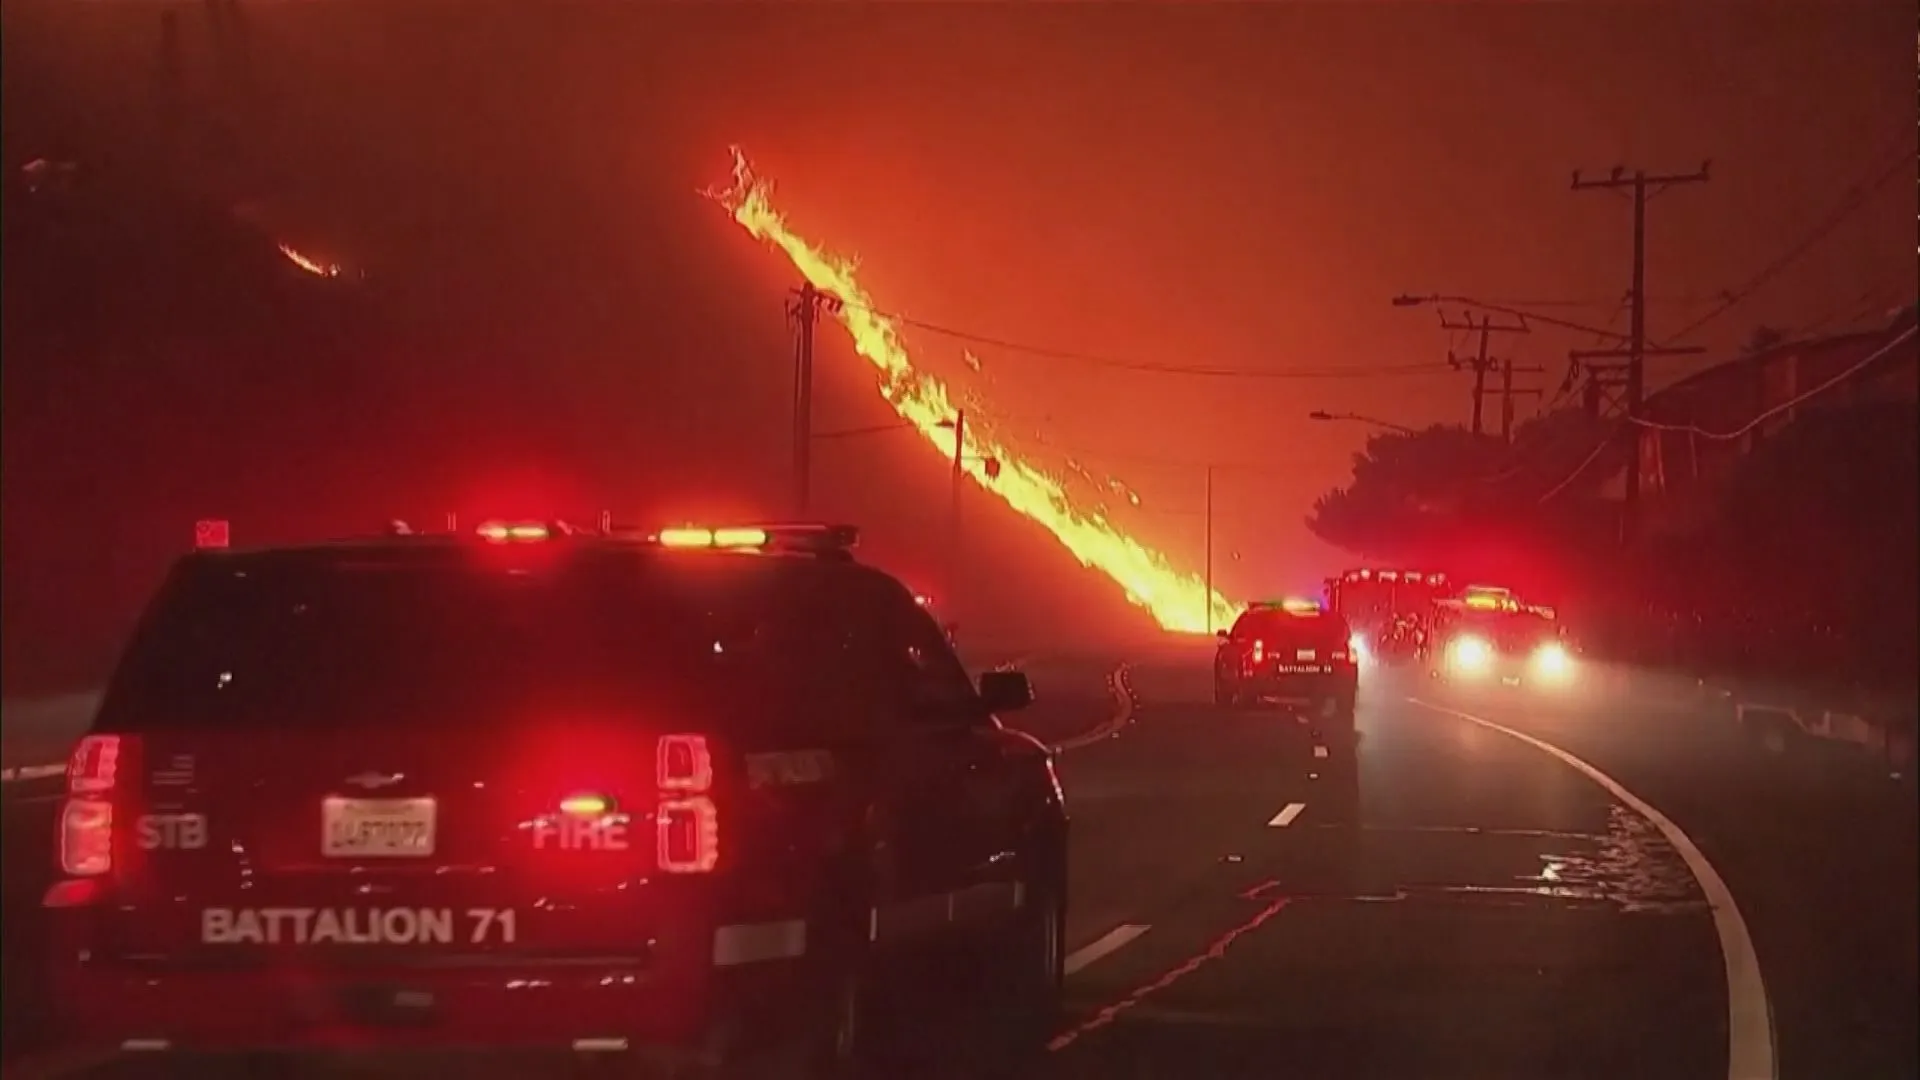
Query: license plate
[{"x": 377, "y": 828}]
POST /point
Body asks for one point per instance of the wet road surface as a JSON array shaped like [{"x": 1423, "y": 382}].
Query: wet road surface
[{"x": 1439, "y": 898}]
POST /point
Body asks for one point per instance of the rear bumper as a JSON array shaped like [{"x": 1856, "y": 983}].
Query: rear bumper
[
  {"x": 672, "y": 1007},
  {"x": 1509, "y": 671},
  {"x": 1302, "y": 686}
]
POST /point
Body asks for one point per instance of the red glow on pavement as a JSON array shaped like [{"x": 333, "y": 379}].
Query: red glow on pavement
[{"x": 1211, "y": 953}]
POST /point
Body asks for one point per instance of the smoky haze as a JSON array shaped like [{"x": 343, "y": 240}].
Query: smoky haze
[{"x": 538, "y": 313}]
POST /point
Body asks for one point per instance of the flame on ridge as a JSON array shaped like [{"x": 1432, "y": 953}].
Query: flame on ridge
[
  {"x": 310, "y": 265},
  {"x": 1177, "y": 600}
]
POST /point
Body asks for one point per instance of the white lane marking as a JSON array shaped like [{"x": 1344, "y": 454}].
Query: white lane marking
[
  {"x": 1286, "y": 815},
  {"x": 1750, "y": 1039},
  {"x": 1125, "y": 701},
  {"x": 30, "y": 772},
  {"x": 1104, "y": 946}
]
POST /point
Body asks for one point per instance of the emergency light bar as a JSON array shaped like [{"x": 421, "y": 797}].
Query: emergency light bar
[
  {"x": 815, "y": 538},
  {"x": 513, "y": 532},
  {"x": 1416, "y": 576},
  {"x": 1292, "y": 605}
]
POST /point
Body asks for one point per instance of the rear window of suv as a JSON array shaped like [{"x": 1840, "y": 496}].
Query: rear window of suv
[
  {"x": 340, "y": 642},
  {"x": 1323, "y": 629}
]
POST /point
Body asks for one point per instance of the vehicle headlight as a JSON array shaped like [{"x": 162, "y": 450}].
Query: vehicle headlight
[
  {"x": 1553, "y": 661},
  {"x": 1470, "y": 654}
]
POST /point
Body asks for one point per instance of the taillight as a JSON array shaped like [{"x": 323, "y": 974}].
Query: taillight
[
  {"x": 686, "y": 822},
  {"x": 86, "y": 817},
  {"x": 94, "y": 766}
]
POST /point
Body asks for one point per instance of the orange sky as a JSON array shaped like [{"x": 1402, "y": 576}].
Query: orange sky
[
  {"x": 1246, "y": 188},
  {"x": 1240, "y": 186}
]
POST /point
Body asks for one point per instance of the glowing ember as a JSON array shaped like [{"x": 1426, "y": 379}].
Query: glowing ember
[
  {"x": 317, "y": 269},
  {"x": 1177, "y": 600}
]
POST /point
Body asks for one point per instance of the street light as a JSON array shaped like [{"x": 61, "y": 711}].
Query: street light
[
  {"x": 1410, "y": 300},
  {"x": 1322, "y": 415}
]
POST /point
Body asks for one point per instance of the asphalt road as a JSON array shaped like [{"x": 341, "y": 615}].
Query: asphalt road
[{"x": 1446, "y": 898}]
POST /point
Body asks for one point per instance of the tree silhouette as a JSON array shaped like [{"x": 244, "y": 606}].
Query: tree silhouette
[{"x": 1446, "y": 495}]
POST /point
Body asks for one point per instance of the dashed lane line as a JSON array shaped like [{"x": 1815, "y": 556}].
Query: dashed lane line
[
  {"x": 1751, "y": 1053},
  {"x": 1104, "y": 946},
  {"x": 1287, "y": 814}
]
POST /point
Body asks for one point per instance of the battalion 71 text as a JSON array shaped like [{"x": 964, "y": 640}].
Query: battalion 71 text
[{"x": 357, "y": 926}]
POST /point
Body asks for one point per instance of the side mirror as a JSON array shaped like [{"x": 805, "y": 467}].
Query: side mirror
[
  {"x": 1005, "y": 691},
  {"x": 1221, "y": 634}
]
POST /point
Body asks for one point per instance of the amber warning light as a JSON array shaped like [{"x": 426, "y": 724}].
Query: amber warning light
[
  {"x": 696, "y": 537},
  {"x": 505, "y": 532}
]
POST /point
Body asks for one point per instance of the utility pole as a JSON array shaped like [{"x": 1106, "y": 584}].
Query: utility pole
[
  {"x": 1209, "y": 559},
  {"x": 804, "y": 310},
  {"x": 953, "y": 524},
  {"x": 1643, "y": 187},
  {"x": 1481, "y": 362},
  {"x": 1508, "y": 393}
]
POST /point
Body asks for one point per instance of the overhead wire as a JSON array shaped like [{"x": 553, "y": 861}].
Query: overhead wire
[
  {"x": 1852, "y": 200},
  {"x": 1791, "y": 403},
  {"x": 1750, "y": 426},
  {"x": 1149, "y": 367}
]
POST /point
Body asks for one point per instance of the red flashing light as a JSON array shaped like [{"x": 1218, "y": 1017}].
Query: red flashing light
[{"x": 212, "y": 534}]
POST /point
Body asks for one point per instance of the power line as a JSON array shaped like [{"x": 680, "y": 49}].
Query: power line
[
  {"x": 1098, "y": 360},
  {"x": 1751, "y": 425},
  {"x": 873, "y": 429},
  {"x": 1601, "y": 301},
  {"x": 1791, "y": 403},
  {"x": 1578, "y": 469},
  {"x": 1078, "y": 453},
  {"x": 1851, "y": 201}
]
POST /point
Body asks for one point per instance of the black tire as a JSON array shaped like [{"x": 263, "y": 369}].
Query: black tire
[
  {"x": 834, "y": 1042},
  {"x": 1228, "y": 696},
  {"x": 1335, "y": 718},
  {"x": 1023, "y": 1013},
  {"x": 839, "y": 1037}
]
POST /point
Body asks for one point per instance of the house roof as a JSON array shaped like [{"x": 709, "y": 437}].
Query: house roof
[{"x": 1673, "y": 398}]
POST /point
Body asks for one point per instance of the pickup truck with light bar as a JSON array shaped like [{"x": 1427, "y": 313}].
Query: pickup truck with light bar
[{"x": 702, "y": 799}]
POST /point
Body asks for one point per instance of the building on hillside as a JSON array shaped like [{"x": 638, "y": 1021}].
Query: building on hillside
[{"x": 1703, "y": 424}]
